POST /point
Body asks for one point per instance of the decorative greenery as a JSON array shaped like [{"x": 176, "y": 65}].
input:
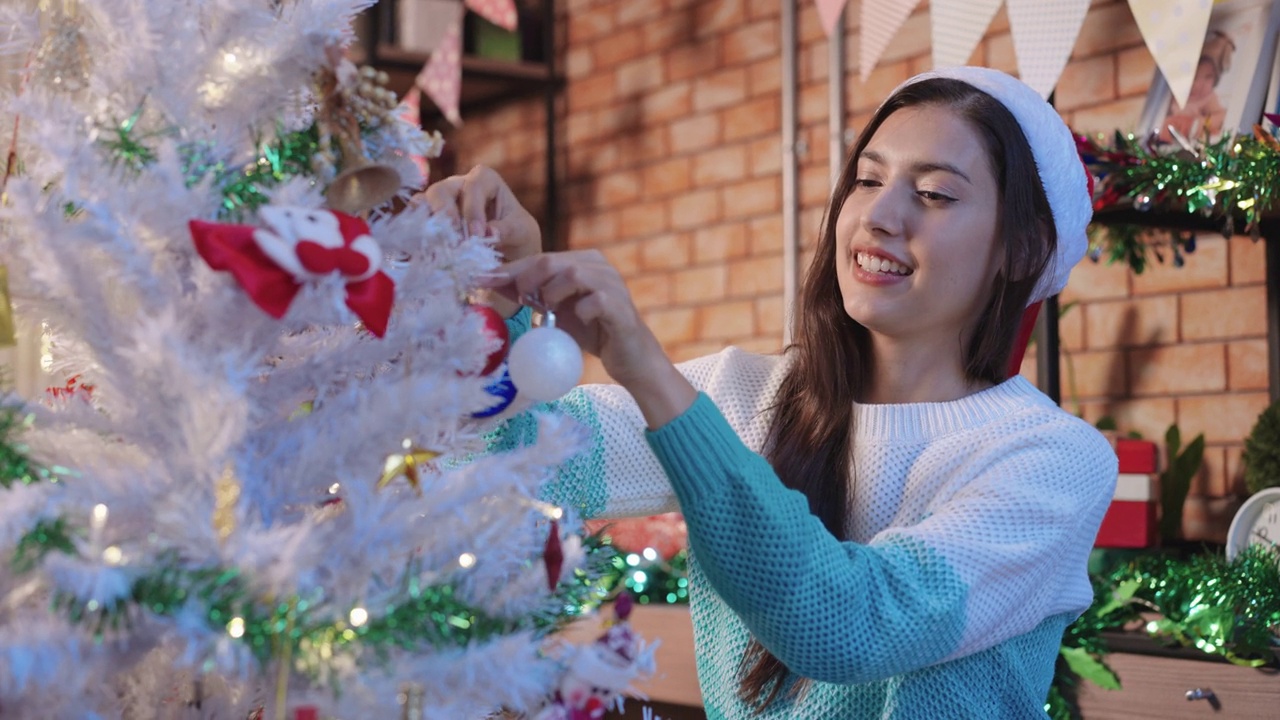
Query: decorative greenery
[
  {"x": 1234, "y": 177},
  {"x": 1181, "y": 466},
  {"x": 1261, "y": 455}
]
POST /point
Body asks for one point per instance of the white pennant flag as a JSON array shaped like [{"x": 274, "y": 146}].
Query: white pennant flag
[
  {"x": 881, "y": 20},
  {"x": 829, "y": 13},
  {"x": 957, "y": 27},
  {"x": 1044, "y": 32},
  {"x": 1174, "y": 32}
]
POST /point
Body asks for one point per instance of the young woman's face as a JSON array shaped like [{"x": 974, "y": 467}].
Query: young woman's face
[{"x": 916, "y": 248}]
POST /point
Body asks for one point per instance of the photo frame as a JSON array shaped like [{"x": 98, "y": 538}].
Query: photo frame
[{"x": 1233, "y": 78}]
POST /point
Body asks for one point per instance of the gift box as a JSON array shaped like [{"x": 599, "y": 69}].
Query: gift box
[
  {"x": 1130, "y": 521},
  {"x": 1137, "y": 457}
]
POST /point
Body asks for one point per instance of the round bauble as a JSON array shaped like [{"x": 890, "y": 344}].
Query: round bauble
[{"x": 545, "y": 363}]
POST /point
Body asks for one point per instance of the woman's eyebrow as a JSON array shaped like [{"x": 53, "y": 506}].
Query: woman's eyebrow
[{"x": 919, "y": 167}]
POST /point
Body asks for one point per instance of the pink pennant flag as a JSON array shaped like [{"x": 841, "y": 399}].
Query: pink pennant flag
[
  {"x": 881, "y": 20},
  {"x": 829, "y": 11},
  {"x": 957, "y": 26},
  {"x": 1044, "y": 32},
  {"x": 441, "y": 77},
  {"x": 499, "y": 12},
  {"x": 411, "y": 112}
]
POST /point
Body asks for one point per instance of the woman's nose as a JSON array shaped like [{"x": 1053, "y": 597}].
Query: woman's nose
[{"x": 884, "y": 214}]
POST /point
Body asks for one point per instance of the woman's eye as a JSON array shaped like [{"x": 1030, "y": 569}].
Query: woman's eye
[
  {"x": 865, "y": 183},
  {"x": 935, "y": 196}
]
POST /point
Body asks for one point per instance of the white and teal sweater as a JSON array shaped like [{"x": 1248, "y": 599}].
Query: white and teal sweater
[{"x": 970, "y": 522}]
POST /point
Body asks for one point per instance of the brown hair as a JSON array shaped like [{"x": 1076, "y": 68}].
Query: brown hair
[{"x": 809, "y": 443}]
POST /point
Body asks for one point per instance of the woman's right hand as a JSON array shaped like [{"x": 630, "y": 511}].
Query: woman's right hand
[{"x": 592, "y": 304}]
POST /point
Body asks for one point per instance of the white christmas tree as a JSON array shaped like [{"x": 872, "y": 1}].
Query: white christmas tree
[{"x": 264, "y": 484}]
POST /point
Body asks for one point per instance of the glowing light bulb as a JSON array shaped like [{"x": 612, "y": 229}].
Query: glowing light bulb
[
  {"x": 235, "y": 628},
  {"x": 112, "y": 555},
  {"x": 650, "y": 554},
  {"x": 358, "y": 616},
  {"x": 466, "y": 560}
]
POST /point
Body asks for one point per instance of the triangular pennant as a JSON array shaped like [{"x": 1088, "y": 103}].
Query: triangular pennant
[
  {"x": 957, "y": 28},
  {"x": 1044, "y": 32},
  {"x": 829, "y": 12},
  {"x": 1174, "y": 31},
  {"x": 441, "y": 77},
  {"x": 881, "y": 20},
  {"x": 499, "y": 12},
  {"x": 421, "y": 25},
  {"x": 410, "y": 111}
]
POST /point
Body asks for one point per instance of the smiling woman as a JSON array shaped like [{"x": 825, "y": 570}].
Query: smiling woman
[{"x": 938, "y": 512}]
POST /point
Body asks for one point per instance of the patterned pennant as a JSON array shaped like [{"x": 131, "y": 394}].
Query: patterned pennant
[
  {"x": 411, "y": 112},
  {"x": 880, "y": 22},
  {"x": 441, "y": 77},
  {"x": 499, "y": 12},
  {"x": 1043, "y": 33},
  {"x": 1171, "y": 29},
  {"x": 957, "y": 26},
  {"x": 829, "y": 12}
]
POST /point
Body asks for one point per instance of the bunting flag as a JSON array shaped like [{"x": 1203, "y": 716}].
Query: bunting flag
[
  {"x": 421, "y": 24},
  {"x": 881, "y": 20},
  {"x": 1174, "y": 32},
  {"x": 829, "y": 11},
  {"x": 1044, "y": 32},
  {"x": 499, "y": 12},
  {"x": 957, "y": 28},
  {"x": 441, "y": 77}
]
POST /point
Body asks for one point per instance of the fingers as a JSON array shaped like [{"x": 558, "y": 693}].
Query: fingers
[
  {"x": 482, "y": 188},
  {"x": 442, "y": 197}
]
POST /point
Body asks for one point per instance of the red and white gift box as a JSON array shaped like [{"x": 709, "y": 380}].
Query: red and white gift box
[{"x": 1131, "y": 520}]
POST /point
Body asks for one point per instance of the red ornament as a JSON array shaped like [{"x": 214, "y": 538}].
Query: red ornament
[
  {"x": 553, "y": 556},
  {"x": 300, "y": 245},
  {"x": 496, "y": 328}
]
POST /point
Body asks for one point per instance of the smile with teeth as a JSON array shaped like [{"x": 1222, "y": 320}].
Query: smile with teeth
[{"x": 877, "y": 264}]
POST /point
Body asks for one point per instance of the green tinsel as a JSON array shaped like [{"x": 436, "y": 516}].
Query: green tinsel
[
  {"x": 656, "y": 581},
  {"x": 245, "y": 188},
  {"x": 15, "y": 466}
]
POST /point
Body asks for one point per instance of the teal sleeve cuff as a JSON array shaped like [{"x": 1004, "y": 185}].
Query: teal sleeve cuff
[
  {"x": 519, "y": 324},
  {"x": 698, "y": 439}
]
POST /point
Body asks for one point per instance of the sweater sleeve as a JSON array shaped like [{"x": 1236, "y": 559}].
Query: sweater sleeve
[
  {"x": 618, "y": 474},
  {"x": 982, "y": 567}
]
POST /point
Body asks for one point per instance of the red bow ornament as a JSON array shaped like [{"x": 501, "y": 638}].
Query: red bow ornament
[{"x": 300, "y": 245}]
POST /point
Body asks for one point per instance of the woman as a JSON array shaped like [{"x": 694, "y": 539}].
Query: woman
[{"x": 882, "y": 523}]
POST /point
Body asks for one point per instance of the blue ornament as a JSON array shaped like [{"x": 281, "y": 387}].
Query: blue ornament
[{"x": 503, "y": 392}]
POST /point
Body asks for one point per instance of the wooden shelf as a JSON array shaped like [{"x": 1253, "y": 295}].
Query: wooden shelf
[{"x": 485, "y": 81}]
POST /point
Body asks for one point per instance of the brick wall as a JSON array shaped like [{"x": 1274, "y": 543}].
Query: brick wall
[{"x": 670, "y": 165}]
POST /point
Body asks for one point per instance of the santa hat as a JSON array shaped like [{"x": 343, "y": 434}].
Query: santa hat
[{"x": 1066, "y": 181}]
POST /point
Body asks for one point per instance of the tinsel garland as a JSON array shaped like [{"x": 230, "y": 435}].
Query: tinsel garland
[
  {"x": 1232, "y": 179},
  {"x": 425, "y": 616}
]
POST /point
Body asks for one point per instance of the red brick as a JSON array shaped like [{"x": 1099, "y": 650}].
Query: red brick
[
  {"x": 668, "y": 251},
  {"x": 617, "y": 189},
  {"x": 752, "y": 197},
  {"x": 1133, "y": 322},
  {"x": 1248, "y": 259},
  {"x": 860, "y": 96},
  {"x": 762, "y": 116},
  {"x": 912, "y": 40},
  {"x": 578, "y": 62},
  {"x": 1106, "y": 28},
  {"x": 639, "y": 220},
  {"x": 633, "y": 12},
  {"x": 809, "y": 24},
  {"x": 1207, "y": 519},
  {"x": 667, "y": 103},
  {"x": 1071, "y": 323},
  {"x": 694, "y": 133},
  {"x": 1235, "y": 471},
  {"x": 764, "y": 76},
  {"x": 688, "y": 351},
  {"x": 812, "y": 103},
  {"x": 760, "y": 345},
  {"x": 640, "y": 75},
  {"x": 720, "y": 243},
  {"x": 720, "y": 89},
  {"x": 717, "y": 166},
  {"x": 815, "y": 186},
  {"x": 1212, "y": 478},
  {"x": 623, "y": 256},
  {"x": 1247, "y": 365},
  {"x": 1097, "y": 281},
  {"x": 1231, "y": 313},
  {"x": 643, "y": 147},
  {"x": 650, "y": 291},
  {"x": 814, "y": 63},
  {"x": 1000, "y": 54},
  {"x": 1086, "y": 82},
  {"x": 667, "y": 177},
  {"x": 745, "y": 43},
  {"x": 1135, "y": 70},
  {"x": 755, "y": 276},
  {"x": 590, "y": 92},
  {"x": 764, "y": 156},
  {"x": 666, "y": 32},
  {"x": 672, "y": 325},
  {"x": 1097, "y": 374},
  {"x": 617, "y": 48},
  {"x": 694, "y": 209},
  {"x": 770, "y": 316},
  {"x": 1178, "y": 369},
  {"x": 765, "y": 235},
  {"x": 759, "y": 9},
  {"x": 700, "y": 285},
  {"x": 1226, "y": 418},
  {"x": 580, "y": 128},
  {"x": 1107, "y": 116},
  {"x": 589, "y": 24},
  {"x": 714, "y": 15},
  {"x": 1148, "y": 416},
  {"x": 689, "y": 61},
  {"x": 726, "y": 320}
]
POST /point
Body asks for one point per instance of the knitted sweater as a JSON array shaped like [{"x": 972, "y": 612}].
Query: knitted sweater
[{"x": 970, "y": 526}]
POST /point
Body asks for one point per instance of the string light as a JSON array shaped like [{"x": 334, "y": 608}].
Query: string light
[
  {"x": 235, "y": 628},
  {"x": 466, "y": 560},
  {"x": 113, "y": 555},
  {"x": 358, "y": 616}
]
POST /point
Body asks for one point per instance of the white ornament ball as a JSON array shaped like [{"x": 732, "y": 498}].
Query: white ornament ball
[{"x": 545, "y": 363}]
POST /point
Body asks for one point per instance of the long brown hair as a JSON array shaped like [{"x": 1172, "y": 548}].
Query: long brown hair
[{"x": 810, "y": 439}]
